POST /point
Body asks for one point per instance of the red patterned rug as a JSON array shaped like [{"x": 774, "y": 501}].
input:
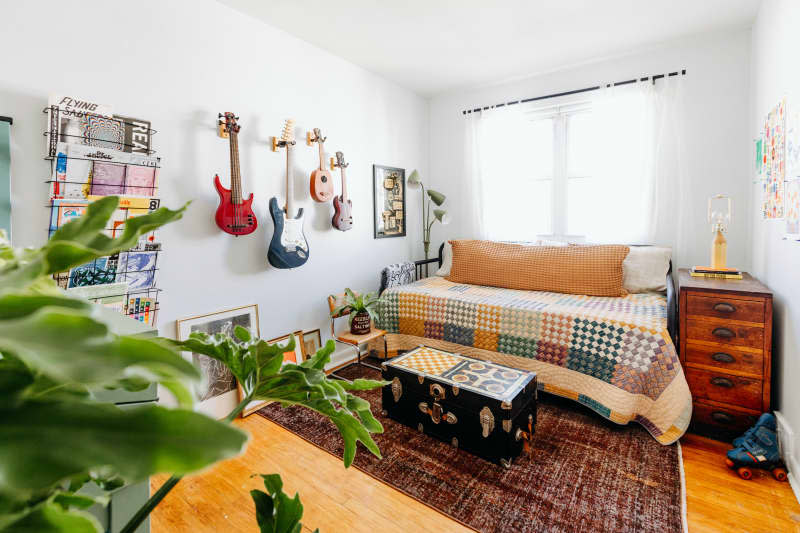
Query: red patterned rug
[{"x": 585, "y": 475}]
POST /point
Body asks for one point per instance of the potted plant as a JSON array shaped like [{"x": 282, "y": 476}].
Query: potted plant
[{"x": 361, "y": 309}]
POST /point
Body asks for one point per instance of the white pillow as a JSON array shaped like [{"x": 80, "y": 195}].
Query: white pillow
[
  {"x": 447, "y": 261},
  {"x": 645, "y": 269}
]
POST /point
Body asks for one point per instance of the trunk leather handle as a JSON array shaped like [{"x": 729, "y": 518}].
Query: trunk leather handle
[
  {"x": 722, "y": 357},
  {"x": 724, "y": 418},
  {"x": 722, "y": 382},
  {"x": 437, "y": 413},
  {"x": 723, "y": 307},
  {"x": 723, "y": 332}
]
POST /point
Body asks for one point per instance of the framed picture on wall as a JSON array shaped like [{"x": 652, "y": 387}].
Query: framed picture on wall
[
  {"x": 295, "y": 356},
  {"x": 312, "y": 341},
  {"x": 389, "y": 201},
  {"x": 218, "y": 378}
]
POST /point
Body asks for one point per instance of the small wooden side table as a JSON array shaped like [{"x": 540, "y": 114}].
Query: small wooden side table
[{"x": 726, "y": 351}]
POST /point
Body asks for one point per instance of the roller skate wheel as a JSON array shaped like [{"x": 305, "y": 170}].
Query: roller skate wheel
[
  {"x": 744, "y": 472},
  {"x": 779, "y": 474},
  {"x": 729, "y": 463}
]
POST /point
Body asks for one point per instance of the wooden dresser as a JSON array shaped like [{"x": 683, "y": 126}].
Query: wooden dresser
[{"x": 725, "y": 344}]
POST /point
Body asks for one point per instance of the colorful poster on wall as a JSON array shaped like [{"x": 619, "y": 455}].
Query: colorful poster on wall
[
  {"x": 775, "y": 149},
  {"x": 792, "y": 142},
  {"x": 793, "y": 209}
]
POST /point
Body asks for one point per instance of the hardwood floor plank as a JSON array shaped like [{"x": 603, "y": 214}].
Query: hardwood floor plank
[{"x": 336, "y": 499}]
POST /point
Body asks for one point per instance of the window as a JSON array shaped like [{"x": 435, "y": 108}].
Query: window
[{"x": 565, "y": 172}]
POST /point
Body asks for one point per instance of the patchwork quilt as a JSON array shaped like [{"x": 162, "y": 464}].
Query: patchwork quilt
[{"x": 613, "y": 355}]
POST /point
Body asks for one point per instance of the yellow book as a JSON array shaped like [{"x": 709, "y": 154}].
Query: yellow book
[{"x": 715, "y": 276}]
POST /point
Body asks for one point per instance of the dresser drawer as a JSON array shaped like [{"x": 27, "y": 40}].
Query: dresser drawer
[
  {"x": 725, "y": 358},
  {"x": 730, "y": 308},
  {"x": 724, "y": 418},
  {"x": 722, "y": 331},
  {"x": 721, "y": 387}
]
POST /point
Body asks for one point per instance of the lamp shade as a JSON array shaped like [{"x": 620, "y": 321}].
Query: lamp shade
[
  {"x": 437, "y": 197},
  {"x": 413, "y": 179},
  {"x": 441, "y": 216}
]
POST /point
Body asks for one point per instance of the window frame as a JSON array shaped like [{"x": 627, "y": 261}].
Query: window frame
[{"x": 559, "y": 114}]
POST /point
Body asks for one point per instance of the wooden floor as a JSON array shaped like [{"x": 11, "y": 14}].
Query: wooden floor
[{"x": 339, "y": 500}]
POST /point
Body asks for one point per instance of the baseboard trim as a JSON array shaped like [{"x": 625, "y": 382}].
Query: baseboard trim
[{"x": 789, "y": 450}]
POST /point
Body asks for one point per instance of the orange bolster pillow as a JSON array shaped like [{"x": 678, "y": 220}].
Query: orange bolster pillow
[{"x": 590, "y": 270}]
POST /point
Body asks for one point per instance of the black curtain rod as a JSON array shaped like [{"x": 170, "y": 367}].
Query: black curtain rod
[
  {"x": 576, "y": 91},
  {"x": 7, "y": 119}
]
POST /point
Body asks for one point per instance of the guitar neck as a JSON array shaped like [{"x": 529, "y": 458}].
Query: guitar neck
[
  {"x": 289, "y": 181},
  {"x": 344, "y": 185},
  {"x": 321, "y": 155},
  {"x": 236, "y": 179}
]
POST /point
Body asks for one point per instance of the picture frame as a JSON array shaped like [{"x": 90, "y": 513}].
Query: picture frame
[
  {"x": 219, "y": 380},
  {"x": 296, "y": 356},
  {"x": 386, "y": 200},
  {"x": 312, "y": 342}
]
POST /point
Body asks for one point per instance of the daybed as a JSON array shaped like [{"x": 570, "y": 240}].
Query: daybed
[{"x": 612, "y": 354}]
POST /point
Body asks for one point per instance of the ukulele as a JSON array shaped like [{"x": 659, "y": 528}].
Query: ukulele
[
  {"x": 321, "y": 182},
  {"x": 343, "y": 208},
  {"x": 288, "y": 247},
  {"x": 234, "y": 215}
]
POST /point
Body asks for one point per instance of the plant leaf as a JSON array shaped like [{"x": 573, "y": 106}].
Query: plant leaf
[
  {"x": 51, "y": 517},
  {"x": 275, "y": 511},
  {"x": 45, "y": 443},
  {"x": 69, "y": 346}
]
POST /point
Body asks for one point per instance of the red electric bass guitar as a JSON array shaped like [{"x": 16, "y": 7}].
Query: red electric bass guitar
[{"x": 234, "y": 214}]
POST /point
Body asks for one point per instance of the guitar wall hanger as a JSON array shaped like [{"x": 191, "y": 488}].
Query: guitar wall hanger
[{"x": 314, "y": 137}]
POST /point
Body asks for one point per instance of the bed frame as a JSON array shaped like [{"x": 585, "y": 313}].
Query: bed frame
[{"x": 422, "y": 268}]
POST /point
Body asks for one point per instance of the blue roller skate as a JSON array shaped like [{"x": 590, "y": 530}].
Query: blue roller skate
[
  {"x": 766, "y": 420},
  {"x": 758, "y": 450}
]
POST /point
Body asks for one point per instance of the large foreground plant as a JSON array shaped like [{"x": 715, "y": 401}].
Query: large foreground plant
[{"x": 56, "y": 351}]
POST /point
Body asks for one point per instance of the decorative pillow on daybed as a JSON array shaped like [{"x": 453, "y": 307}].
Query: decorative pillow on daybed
[
  {"x": 447, "y": 254},
  {"x": 645, "y": 269},
  {"x": 589, "y": 270}
]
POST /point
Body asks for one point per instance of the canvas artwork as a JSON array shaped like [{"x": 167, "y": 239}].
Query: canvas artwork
[
  {"x": 218, "y": 378},
  {"x": 775, "y": 164},
  {"x": 389, "y": 201},
  {"x": 137, "y": 269},
  {"x": 793, "y": 209}
]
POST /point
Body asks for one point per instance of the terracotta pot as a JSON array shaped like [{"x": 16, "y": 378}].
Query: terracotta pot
[{"x": 360, "y": 324}]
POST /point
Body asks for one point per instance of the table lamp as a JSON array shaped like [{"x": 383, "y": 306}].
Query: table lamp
[{"x": 719, "y": 220}]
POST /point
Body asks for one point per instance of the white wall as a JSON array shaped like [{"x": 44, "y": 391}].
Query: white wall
[
  {"x": 179, "y": 63},
  {"x": 776, "y": 262},
  {"x": 717, "y": 144}
]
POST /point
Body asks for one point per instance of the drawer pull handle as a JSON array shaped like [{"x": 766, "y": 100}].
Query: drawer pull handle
[
  {"x": 723, "y": 332},
  {"x": 722, "y": 418},
  {"x": 724, "y": 308},
  {"x": 722, "y": 382},
  {"x": 722, "y": 357}
]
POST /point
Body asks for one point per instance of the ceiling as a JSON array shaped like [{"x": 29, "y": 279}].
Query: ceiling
[{"x": 433, "y": 46}]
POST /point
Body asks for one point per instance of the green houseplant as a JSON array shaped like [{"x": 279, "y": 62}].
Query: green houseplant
[
  {"x": 55, "y": 351},
  {"x": 361, "y": 309}
]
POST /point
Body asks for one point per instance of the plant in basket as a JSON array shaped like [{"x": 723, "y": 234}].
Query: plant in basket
[{"x": 361, "y": 308}]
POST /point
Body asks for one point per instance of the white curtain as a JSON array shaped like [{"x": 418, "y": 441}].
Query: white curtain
[
  {"x": 640, "y": 175},
  {"x": 497, "y": 175},
  {"x": 639, "y": 180}
]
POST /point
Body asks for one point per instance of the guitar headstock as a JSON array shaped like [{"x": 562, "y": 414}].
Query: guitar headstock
[
  {"x": 340, "y": 162},
  {"x": 228, "y": 122},
  {"x": 287, "y": 136},
  {"x": 315, "y": 137}
]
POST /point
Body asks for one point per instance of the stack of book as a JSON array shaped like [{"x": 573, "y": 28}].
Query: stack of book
[{"x": 715, "y": 273}]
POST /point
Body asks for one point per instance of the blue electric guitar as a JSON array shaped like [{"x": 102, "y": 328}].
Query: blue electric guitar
[{"x": 288, "y": 247}]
